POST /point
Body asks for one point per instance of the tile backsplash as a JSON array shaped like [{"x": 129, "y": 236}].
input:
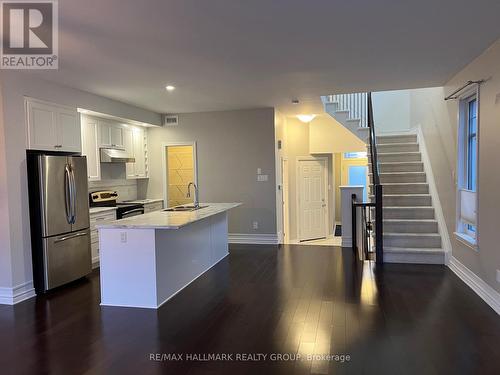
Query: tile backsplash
[{"x": 113, "y": 177}]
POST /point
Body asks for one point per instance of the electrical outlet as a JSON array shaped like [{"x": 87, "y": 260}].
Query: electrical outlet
[
  {"x": 498, "y": 276},
  {"x": 123, "y": 237},
  {"x": 255, "y": 225},
  {"x": 262, "y": 177}
]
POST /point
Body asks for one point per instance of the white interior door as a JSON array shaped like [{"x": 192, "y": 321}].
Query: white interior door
[{"x": 312, "y": 199}]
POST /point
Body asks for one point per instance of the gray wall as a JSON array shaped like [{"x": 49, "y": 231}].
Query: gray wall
[
  {"x": 231, "y": 145},
  {"x": 16, "y": 242}
]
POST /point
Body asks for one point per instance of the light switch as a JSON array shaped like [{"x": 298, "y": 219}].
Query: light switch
[
  {"x": 262, "y": 177},
  {"x": 259, "y": 170},
  {"x": 123, "y": 237}
]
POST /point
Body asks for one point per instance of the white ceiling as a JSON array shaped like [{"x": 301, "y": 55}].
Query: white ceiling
[{"x": 233, "y": 54}]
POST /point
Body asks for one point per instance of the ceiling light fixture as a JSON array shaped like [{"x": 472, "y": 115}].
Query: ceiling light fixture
[
  {"x": 306, "y": 118},
  {"x": 170, "y": 88}
]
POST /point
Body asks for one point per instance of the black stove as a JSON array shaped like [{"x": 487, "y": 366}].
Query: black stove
[
  {"x": 109, "y": 199},
  {"x": 128, "y": 209}
]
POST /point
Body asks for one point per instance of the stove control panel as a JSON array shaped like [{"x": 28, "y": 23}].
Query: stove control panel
[{"x": 103, "y": 196}]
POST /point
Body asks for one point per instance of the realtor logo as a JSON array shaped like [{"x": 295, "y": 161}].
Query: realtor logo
[{"x": 29, "y": 35}]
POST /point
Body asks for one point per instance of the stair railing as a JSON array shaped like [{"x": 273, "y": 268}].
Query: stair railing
[
  {"x": 371, "y": 212},
  {"x": 355, "y": 104}
]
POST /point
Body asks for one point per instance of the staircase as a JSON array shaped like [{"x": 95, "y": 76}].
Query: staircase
[
  {"x": 411, "y": 233},
  {"x": 350, "y": 110}
]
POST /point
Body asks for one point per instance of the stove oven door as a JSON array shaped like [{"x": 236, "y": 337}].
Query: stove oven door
[{"x": 129, "y": 213}]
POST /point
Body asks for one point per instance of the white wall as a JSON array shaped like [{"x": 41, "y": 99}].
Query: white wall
[
  {"x": 5, "y": 258},
  {"x": 391, "y": 111},
  {"x": 327, "y": 135},
  {"x": 297, "y": 144},
  {"x": 15, "y": 241},
  {"x": 231, "y": 145}
]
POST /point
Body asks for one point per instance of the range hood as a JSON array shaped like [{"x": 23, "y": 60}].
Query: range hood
[{"x": 115, "y": 155}]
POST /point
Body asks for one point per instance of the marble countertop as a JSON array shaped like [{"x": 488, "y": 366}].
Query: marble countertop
[
  {"x": 95, "y": 210},
  {"x": 169, "y": 219}
]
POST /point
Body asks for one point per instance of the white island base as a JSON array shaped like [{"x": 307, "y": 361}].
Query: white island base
[{"x": 145, "y": 267}]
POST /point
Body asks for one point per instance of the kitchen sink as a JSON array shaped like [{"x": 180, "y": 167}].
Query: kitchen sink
[{"x": 183, "y": 208}]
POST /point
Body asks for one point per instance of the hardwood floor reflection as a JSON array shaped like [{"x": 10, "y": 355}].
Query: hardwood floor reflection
[{"x": 295, "y": 300}]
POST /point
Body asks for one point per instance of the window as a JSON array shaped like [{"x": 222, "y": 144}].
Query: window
[
  {"x": 472, "y": 144},
  {"x": 467, "y": 169},
  {"x": 354, "y": 155}
]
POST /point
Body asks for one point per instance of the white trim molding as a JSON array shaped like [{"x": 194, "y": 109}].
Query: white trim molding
[
  {"x": 19, "y": 293},
  {"x": 483, "y": 290},
  {"x": 251, "y": 238}
]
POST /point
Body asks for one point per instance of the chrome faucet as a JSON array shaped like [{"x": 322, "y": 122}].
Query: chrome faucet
[{"x": 196, "y": 198}]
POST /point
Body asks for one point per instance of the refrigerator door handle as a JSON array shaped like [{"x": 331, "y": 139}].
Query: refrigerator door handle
[
  {"x": 67, "y": 193},
  {"x": 73, "y": 196},
  {"x": 65, "y": 238}
]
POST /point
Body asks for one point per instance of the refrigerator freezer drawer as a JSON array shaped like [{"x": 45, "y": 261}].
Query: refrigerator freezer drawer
[{"x": 66, "y": 258}]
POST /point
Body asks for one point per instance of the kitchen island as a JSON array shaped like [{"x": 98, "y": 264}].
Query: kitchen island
[{"x": 145, "y": 260}]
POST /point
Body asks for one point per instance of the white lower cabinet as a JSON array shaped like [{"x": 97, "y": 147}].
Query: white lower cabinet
[
  {"x": 96, "y": 219},
  {"x": 153, "y": 206}
]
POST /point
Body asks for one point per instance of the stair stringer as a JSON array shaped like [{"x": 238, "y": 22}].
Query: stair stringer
[
  {"x": 342, "y": 116},
  {"x": 442, "y": 227}
]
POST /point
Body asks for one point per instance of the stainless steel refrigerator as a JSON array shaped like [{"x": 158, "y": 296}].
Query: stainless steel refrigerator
[{"x": 59, "y": 211}]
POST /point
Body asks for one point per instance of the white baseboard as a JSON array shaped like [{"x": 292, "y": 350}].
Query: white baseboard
[
  {"x": 19, "y": 293},
  {"x": 251, "y": 238},
  {"x": 483, "y": 290}
]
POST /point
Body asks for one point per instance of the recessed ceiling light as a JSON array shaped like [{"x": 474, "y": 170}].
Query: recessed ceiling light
[
  {"x": 170, "y": 88},
  {"x": 306, "y": 118}
]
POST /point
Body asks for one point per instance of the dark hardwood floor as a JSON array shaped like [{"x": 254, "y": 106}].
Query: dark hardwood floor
[{"x": 399, "y": 319}]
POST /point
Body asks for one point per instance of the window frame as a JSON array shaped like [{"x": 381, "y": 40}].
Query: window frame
[{"x": 466, "y": 232}]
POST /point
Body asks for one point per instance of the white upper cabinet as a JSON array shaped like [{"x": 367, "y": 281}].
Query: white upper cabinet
[
  {"x": 135, "y": 144},
  {"x": 90, "y": 147},
  {"x": 111, "y": 135},
  {"x": 100, "y": 133},
  {"x": 128, "y": 138},
  {"x": 52, "y": 127},
  {"x": 140, "y": 152}
]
